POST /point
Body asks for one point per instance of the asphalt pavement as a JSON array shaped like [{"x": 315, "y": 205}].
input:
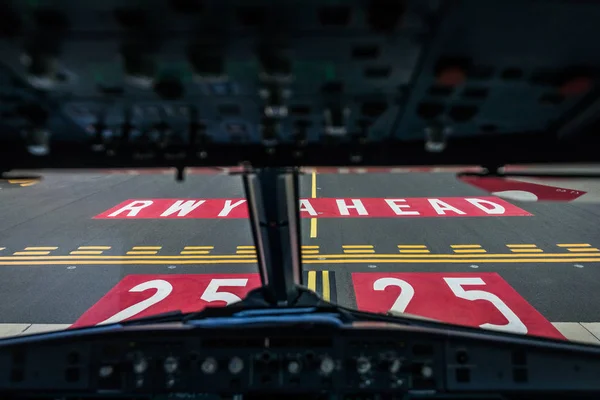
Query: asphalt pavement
[{"x": 59, "y": 263}]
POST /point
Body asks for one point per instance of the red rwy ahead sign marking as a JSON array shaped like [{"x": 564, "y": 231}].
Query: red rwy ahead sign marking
[
  {"x": 137, "y": 296},
  {"x": 525, "y": 191},
  {"x": 479, "y": 300},
  {"x": 321, "y": 208}
]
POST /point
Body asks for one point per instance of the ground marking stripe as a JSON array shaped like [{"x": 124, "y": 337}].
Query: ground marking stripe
[
  {"x": 465, "y": 246},
  {"x": 326, "y": 288},
  {"x": 141, "y": 252},
  {"x": 357, "y": 246},
  {"x": 93, "y": 248},
  {"x": 199, "y": 247},
  {"x": 522, "y": 245},
  {"x": 86, "y": 252},
  {"x": 246, "y": 247},
  {"x": 30, "y": 253},
  {"x": 41, "y": 248},
  {"x": 574, "y": 245},
  {"x": 195, "y": 252},
  {"x": 460, "y": 251},
  {"x": 146, "y": 248},
  {"x": 414, "y": 251},
  {"x": 312, "y": 280},
  {"x": 527, "y": 250},
  {"x": 584, "y": 249},
  {"x": 308, "y": 256}
]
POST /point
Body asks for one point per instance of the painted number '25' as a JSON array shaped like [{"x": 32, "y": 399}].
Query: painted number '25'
[
  {"x": 164, "y": 289},
  {"x": 407, "y": 292}
]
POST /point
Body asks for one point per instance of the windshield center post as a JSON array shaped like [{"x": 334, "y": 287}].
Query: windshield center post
[{"x": 273, "y": 207}]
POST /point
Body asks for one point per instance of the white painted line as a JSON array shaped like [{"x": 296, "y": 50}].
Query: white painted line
[
  {"x": 12, "y": 329},
  {"x": 37, "y": 328}
]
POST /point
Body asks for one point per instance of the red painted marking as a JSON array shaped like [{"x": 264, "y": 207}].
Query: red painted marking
[
  {"x": 185, "y": 292},
  {"x": 433, "y": 298},
  {"x": 495, "y": 185},
  {"x": 321, "y": 207}
]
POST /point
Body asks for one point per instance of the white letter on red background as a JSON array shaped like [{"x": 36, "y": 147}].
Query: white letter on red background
[
  {"x": 182, "y": 208},
  {"x": 479, "y": 203},
  {"x": 441, "y": 207},
  {"x": 134, "y": 208},
  {"x": 306, "y": 206},
  {"x": 228, "y": 207},
  {"x": 356, "y": 204},
  {"x": 398, "y": 208}
]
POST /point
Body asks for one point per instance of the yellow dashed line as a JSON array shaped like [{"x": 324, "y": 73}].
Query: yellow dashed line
[
  {"x": 364, "y": 251},
  {"x": 527, "y": 250},
  {"x": 593, "y": 249},
  {"x": 86, "y": 252},
  {"x": 246, "y": 247},
  {"x": 245, "y": 252},
  {"x": 412, "y": 246},
  {"x": 465, "y": 246},
  {"x": 520, "y": 245},
  {"x": 310, "y": 247},
  {"x": 310, "y": 251},
  {"x": 326, "y": 289},
  {"x": 199, "y": 247},
  {"x": 136, "y": 253},
  {"x": 195, "y": 252},
  {"x": 574, "y": 245},
  {"x": 31, "y": 253},
  {"x": 357, "y": 246},
  {"x": 146, "y": 248},
  {"x": 41, "y": 248},
  {"x": 413, "y": 251},
  {"x": 470, "y": 251},
  {"x": 93, "y": 248},
  {"x": 312, "y": 280}
]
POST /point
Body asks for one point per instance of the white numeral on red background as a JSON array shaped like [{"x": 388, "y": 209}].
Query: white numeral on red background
[
  {"x": 406, "y": 292},
  {"x": 163, "y": 289},
  {"x": 211, "y": 293},
  {"x": 514, "y": 324}
]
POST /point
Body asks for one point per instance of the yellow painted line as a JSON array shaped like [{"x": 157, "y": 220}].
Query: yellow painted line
[
  {"x": 412, "y": 246},
  {"x": 31, "y": 253},
  {"x": 312, "y": 280},
  {"x": 24, "y": 182},
  {"x": 313, "y": 194},
  {"x": 128, "y": 262},
  {"x": 326, "y": 289},
  {"x": 195, "y": 252},
  {"x": 584, "y": 249},
  {"x": 140, "y": 252},
  {"x": 357, "y": 246},
  {"x": 363, "y": 251},
  {"x": 246, "y": 247},
  {"x": 521, "y": 245},
  {"x": 508, "y": 255},
  {"x": 455, "y": 261},
  {"x": 2, "y": 248},
  {"x": 464, "y": 246},
  {"x": 527, "y": 250},
  {"x": 414, "y": 251},
  {"x": 199, "y": 247},
  {"x": 31, "y": 257},
  {"x": 86, "y": 252},
  {"x": 93, "y": 248},
  {"x": 470, "y": 251},
  {"x": 253, "y": 261},
  {"x": 40, "y": 248},
  {"x": 310, "y": 251},
  {"x": 125, "y": 257},
  {"x": 310, "y": 247},
  {"x": 245, "y": 252},
  {"x": 146, "y": 248},
  {"x": 574, "y": 245}
]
